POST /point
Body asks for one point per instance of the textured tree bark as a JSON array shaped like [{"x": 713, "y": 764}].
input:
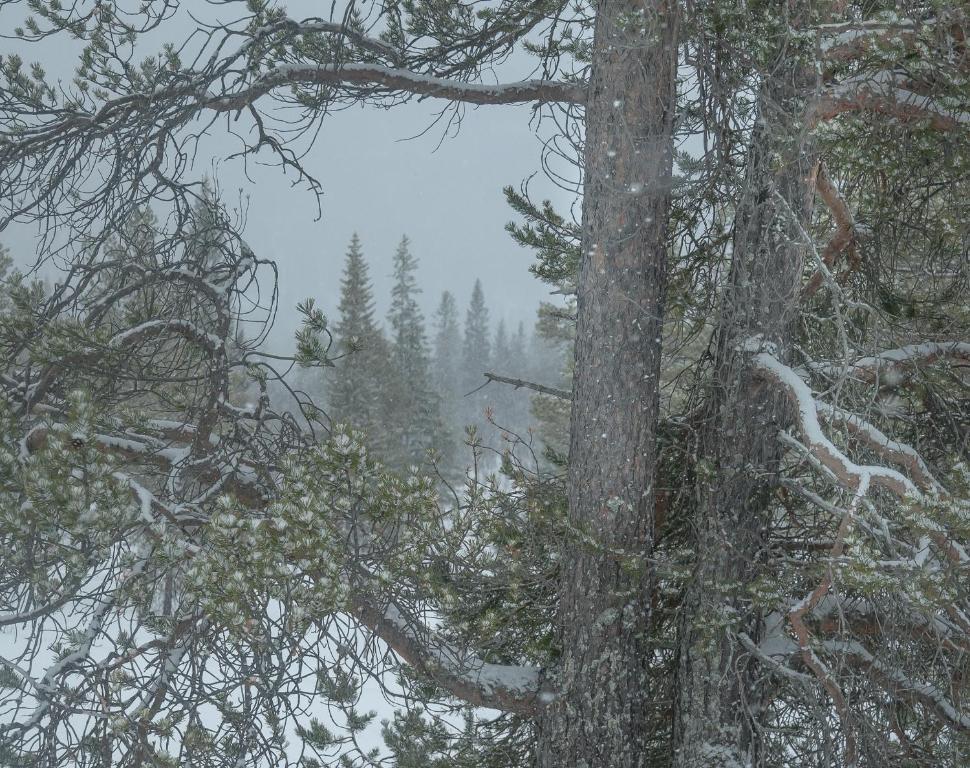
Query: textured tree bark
[
  {"x": 718, "y": 696},
  {"x": 597, "y": 721}
]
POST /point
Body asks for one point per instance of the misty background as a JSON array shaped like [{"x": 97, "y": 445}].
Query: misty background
[{"x": 411, "y": 170}]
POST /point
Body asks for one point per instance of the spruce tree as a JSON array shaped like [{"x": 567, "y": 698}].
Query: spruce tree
[
  {"x": 355, "y": 395},
  {"x": 476, "y": 356},
  {"x": 412, "y": 417},
  {"x": 447, "y": 350},
  {"x": 501, "y": 350},
  {"x": 500, "y": 397},
  {"x": 446, "y": 373},
  {"x": 518, "y": 364}
]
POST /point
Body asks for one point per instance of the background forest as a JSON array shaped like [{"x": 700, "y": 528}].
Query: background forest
[{"x": 412, "y": 388}]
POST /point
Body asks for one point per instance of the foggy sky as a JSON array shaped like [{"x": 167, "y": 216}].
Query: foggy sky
[{"x": 448, "y": 199}]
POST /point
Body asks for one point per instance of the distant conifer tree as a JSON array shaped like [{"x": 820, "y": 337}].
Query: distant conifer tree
[
  {"x": 413, "y": 421},
  {"x": 518, "y": 365},
  {"x": 476, "y": 355},
  {"x": 447, "y": 375},
  {"x": 355, "y": 391},
  {"x": 447, "y": 355}
]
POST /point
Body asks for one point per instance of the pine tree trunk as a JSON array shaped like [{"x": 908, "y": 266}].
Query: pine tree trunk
[
  {"x": 604, "y": 608},
  {"x": 719, "y": 691}
]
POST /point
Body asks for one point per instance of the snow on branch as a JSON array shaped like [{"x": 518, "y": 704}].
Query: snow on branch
[
  {"x": 47, "y": 687},
  {"x": 850, "y": 474},
  {"x": 892, "y": 450},
  {"x": 858, "y": 478},
  {"x": 509, "y": 688},
  {"x": 899, "y": 684},
  {"x": 890, "y": 364},
  {"x": 399, "y": 80},
  {"x": 850, "y": 40},
  {"x": 797, "y": 614},
  {"x": 888, "y": 93},
  {"x": 239, "y": 479},
  {"x": 862, "y": 616},
  {"x": 152, "y": 328}
]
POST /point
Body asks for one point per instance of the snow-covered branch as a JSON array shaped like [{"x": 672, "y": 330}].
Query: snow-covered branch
[
  {"x": 509, "y": 688},
  {"x": 846, "y": 41},
  {"x": 850, "y": 474},
  {"x": 48, "y": 687},
  {"x": 152, "y": 328},
  {"x": 796, "y": 617},
  {"x": 899, "y": 684},
  {"x": 239, "y": 478},
  {"x": 889, "y": 365},
  {"x": 887, "y": 91},
  {"x": 892, "y": 450},
  {"x": 891, "y": 94}
]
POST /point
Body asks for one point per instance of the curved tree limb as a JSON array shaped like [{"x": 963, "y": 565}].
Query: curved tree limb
[
  {"x": 899, "y": 684},
  {"x": 396, "y": 79},
  {"x": 888, "y": 93},
  {"x": 892, "y": 450},
  {"x": 509, "y": 688},
  {"x": 841, "y": 238},
  {"x": 850, "y": 474},
  {"x": 892, "y": 362}
]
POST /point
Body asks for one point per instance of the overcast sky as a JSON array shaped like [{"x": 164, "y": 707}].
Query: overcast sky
[{"x": 448, "y": 199}]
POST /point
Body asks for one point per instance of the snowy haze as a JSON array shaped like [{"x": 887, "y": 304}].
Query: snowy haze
[
  {"x": 384, "y": 173},
  {"x": 448, "y": 200}
]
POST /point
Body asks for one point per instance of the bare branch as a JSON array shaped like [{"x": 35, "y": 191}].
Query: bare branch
[
  {"x": 393, "y": 79},
  {"x": 841, "y": 238},
  {"x": 562, "y": 394}
]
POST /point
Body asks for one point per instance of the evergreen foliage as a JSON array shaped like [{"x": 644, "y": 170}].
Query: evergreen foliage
[
  {"x": 448, "y": 354},
  {"x": 355, "y": 391},
  {"x": 446, "y": 374},
  {"x": 476, "y": 356},
  {"x": 413, "y": 423}
]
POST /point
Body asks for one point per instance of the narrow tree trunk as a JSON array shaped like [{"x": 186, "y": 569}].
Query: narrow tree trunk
[
  {"x": 598, "y": 721},
  {"x": 718, "y": 697}
]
